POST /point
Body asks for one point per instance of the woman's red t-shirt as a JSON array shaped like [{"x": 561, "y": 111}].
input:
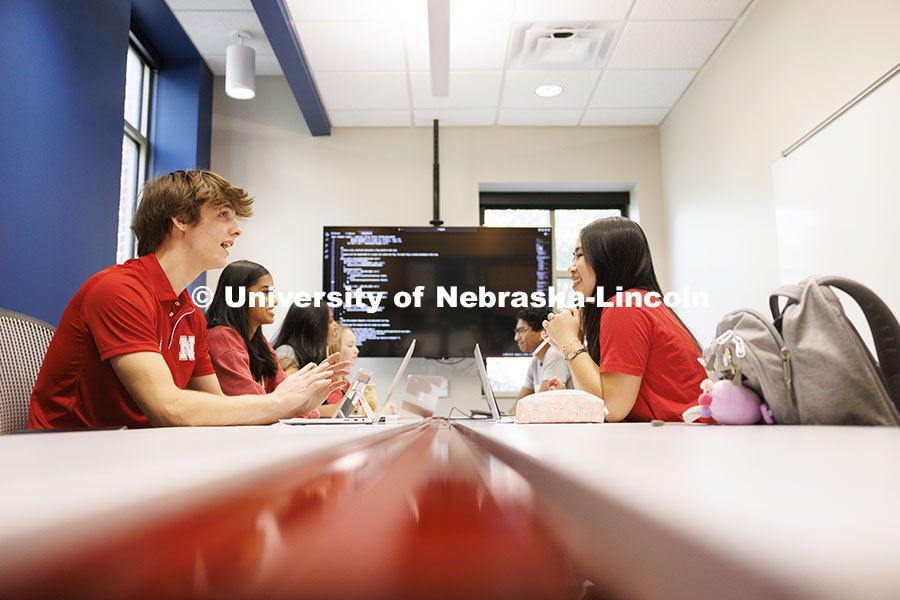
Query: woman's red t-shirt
[{"x": 650, "y": 343}]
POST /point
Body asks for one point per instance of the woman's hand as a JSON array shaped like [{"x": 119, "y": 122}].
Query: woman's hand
[{"x": 563, "y": 327}]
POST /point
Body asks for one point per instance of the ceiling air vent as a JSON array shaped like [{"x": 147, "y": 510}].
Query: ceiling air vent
[{"x": 567, "y": 45}]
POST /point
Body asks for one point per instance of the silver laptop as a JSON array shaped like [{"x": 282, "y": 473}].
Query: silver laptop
[
  {"x": 354, "y": 393},
  {"x": 488, "y": 392}
]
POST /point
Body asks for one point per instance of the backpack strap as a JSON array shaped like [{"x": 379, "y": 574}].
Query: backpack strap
[
  {"x": 883, "y": 326},
  {"x": 791, "y": 291}
]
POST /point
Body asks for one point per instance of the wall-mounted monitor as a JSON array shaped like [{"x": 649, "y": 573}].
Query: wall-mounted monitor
[{"x": 503, "y": 263}]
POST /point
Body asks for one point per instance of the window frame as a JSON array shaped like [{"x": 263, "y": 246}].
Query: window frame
[
  {"x": 139, "y": 135},
  {"x": 553, "y": 201}
]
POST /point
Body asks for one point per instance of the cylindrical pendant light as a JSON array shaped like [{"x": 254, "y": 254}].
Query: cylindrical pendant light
[{"x": 240, "y": 68}]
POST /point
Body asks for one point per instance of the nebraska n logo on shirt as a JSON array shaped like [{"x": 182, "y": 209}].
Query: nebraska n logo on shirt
[{"x": 186, "y": 347}]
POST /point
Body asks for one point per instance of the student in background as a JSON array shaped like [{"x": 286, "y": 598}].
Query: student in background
[
  {"x": 303, "y": 338},
  {"x": 345, "y": 344},
  {"x": 547, "y": 365},
  {"x": 131, "y": 347},
  {"x": 641, "y": 360}
]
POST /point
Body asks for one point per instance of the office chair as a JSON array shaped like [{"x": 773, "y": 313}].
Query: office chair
[{"x": 23, "y": 343}]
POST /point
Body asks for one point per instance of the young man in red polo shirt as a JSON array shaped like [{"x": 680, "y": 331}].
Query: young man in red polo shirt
[{"x": 131, "y": 347}]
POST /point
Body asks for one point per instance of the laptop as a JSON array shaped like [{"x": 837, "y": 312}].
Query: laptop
[
  {"x": 355, "y": 392},
  {"x": 488, "y": 392}
]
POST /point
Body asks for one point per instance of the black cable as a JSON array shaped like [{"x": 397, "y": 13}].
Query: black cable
[{"x": 465, "y": 416}]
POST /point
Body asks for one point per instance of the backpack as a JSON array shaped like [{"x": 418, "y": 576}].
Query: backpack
[{"x": 809, "y": 364}]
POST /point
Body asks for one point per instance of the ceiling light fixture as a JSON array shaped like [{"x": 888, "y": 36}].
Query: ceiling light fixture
[
  {"x": 240, "y": 68},
  {"x": 548, "y": 90}
]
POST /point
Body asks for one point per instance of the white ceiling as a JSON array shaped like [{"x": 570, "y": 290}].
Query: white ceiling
[{"x": 370, "y": 58}]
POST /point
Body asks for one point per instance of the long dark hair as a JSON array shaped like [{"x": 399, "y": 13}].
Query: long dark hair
[
  {"x": 305, "y": 329},
  {"x": 242, "y": 274},
  {"x": 617, "y": 250}
]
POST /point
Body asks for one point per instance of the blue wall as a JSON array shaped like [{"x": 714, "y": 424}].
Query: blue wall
[{"x": 62, "y": 90}]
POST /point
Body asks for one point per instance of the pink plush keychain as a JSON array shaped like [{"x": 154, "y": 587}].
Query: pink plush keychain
[{"x": 728, "y": 403}]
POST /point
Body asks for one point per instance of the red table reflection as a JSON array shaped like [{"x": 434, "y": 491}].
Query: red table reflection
[{"x": 419, "y": 514}]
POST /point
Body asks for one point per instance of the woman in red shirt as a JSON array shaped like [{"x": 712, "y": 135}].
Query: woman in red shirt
[
  {"x": 639, "y": 356},
  {"x": 242, "y": 357},
  {"x": 244, "y": 361}
]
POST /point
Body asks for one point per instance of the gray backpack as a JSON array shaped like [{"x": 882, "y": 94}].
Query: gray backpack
[{"x": 810, "y": 365}]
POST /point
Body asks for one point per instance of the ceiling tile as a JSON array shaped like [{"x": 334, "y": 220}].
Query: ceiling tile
[
  {"x": 688, "y": 9},
  {"x": 369, "y": 118},
  {"x": 473, "y": 45},
  {"x": 641, "y": 88},
  {"x": 468, "y": 89},
  {"x": 476, "y": 10},
  {"x": 574, "y": 10},
  {"x": 518, "y": 89},
  {"x": 667, "y": 44},
  {"x": 472, "y": 117},
  {"x": 343, "y": 10},
  {"x": 547, "y": 117},
  {"x": 209, "y": 5},
  {"x": 211, "y": 31},
  {"x": 362, "y": 90},
  {"x": 415, "y": 12},
  {"x": 624, "y": 116},
  {"x": 266, "y": 64},
  {"x": 352, "y": 46}
]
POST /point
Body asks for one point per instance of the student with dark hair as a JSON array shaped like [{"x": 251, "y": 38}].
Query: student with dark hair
[
  {"x": 131, "y": 347},
  {"x": 547, "y": 365},
  {"x": 245, "y": 363},
  {"x": 303, "y": 338},
  {"x": 640, "y": 359}
]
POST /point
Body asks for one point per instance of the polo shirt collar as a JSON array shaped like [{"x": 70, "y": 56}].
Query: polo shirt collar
[{"x": 157, "y": 277}]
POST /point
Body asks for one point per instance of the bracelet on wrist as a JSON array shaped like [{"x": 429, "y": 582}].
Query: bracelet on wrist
[{"x": 565, "y": 349}]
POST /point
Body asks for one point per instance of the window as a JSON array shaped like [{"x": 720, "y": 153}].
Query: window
[
  {"x": 566, "y": 214},
  {"x": 135, "y": 146}
]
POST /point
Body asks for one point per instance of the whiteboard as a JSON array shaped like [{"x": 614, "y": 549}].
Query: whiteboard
[{"x": 837, "y": 198}]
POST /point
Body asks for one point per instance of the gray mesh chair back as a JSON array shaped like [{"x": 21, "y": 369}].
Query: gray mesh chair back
[{"x": 23, "y": 343}]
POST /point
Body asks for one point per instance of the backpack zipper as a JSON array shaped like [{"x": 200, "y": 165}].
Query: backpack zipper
[
  {"x": 786, "y": 368},
  {"x": 785, "y": 354}
]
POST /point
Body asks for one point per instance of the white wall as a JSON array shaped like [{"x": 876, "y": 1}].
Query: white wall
[
  {"x": 786, "y": 66},
  {"x": 383, "y": 176}
]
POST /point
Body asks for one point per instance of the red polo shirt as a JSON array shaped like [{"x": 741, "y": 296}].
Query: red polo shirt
[{"x": 123, "y": 309}]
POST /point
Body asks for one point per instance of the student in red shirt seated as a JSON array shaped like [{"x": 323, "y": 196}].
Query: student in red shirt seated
[
  {"x": 303, "y": 338},
  {"x": 131, "y": 347},
  {"x": 641, "y": 360},
  {"x": 245, "y": 363}
]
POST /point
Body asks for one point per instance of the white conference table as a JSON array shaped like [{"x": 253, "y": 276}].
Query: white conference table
[
  {"x": 715, "y": 511},
  {"x": 647, "y": 512}
]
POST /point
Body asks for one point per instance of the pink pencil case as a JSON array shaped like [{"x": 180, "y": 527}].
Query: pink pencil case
[{"x": 561, "y": 406}]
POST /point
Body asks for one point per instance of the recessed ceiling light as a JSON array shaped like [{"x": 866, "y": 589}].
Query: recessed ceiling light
[{"x": 549, "y": 90}]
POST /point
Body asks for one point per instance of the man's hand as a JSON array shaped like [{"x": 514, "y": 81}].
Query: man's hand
[{"x": 554, "y": 383}]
